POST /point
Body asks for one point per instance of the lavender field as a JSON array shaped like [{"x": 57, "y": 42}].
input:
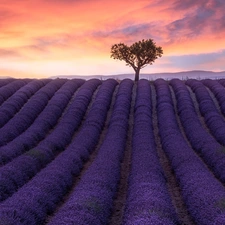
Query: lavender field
[{"x": 75, "y": 152}]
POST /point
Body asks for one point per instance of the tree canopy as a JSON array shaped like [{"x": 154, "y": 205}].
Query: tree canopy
[{"x": 138, "y": 55}]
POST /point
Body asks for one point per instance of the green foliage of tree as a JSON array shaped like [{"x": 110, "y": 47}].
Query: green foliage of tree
[{"x": 138, "y": 55}]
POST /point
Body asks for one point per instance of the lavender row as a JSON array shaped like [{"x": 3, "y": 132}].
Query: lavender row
[
  {"x": 222, "y": 81},
  {"x": 40, "y": 196},
  {"x": 26, "y": 116},
  {"x": 208, "y": 109},
  {"x": 203, "y": 194},
  {"x": 91, "y": 200},
  {"x": 4, "y": 82},
  {"x": 218, "y": 90},
  {"x": 12, "y": 105},
  {"x": 10, "y": 88},
  {"x": 17, "y": 172},
  {"x": 46, "y": 120},
  {"x": 148, "y": 200},
  {"x": 204, "y": 144}
]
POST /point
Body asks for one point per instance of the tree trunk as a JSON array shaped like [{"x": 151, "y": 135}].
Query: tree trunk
[{"x": 137, "y": 72}]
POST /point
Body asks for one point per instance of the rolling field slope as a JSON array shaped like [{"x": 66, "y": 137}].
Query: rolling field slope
[{"x": 75, "y": 152}]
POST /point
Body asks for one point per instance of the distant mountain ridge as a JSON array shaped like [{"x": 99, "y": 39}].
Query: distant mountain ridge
[
  {"x": 197, "y": 74},
  {"x": 5, "y": 77},
  {"x": 183, "y": 75}
]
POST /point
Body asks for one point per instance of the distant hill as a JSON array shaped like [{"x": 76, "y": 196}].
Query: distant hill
[
  {"x": 197, "y": 74},
  {"x": 6, "y": 77}
]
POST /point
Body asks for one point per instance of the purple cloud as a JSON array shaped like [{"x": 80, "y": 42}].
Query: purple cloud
[
  {"x": 205, "y": 17},
  {"x": 44, "y": 43},
  {"x": 186, "y": 4},
  {"x": 131, "y": 33},
  {"x": 194, "y": 23},
  {"x": 193, "y": 61}
]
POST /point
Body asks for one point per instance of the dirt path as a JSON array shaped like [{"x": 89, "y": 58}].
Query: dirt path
[
  {"x": 173, "y": 187},
  {"x": 92, "y": 155},
  {"x": 120, "y": 199}
]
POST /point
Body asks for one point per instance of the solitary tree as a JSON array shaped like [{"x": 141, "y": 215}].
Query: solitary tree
[{"x": 138, "y": 55}]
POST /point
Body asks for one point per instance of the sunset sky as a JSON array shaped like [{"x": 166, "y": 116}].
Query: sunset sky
[{"x": 42, "y": 38}]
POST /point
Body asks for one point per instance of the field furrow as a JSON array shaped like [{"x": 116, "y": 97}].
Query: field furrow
[
  {"x": 202, "y": 142},
  {"x": 92, "y": 199},
  {"x": 13, "y": 104},
  {"x": 20, "y": 170},
  {"x": 116, "y": 216},
  {"x": 42, "y": 125},
  {"x": 172, "y": 183},
  {"x": 112, "y": 152},
  {"x": 213, "y": 119},
  {"x": 202, "y": 200},
  {"x": 219, "y": 94}
]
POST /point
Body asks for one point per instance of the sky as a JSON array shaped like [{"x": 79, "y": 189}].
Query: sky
[{"x": 43, "y": 38}]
